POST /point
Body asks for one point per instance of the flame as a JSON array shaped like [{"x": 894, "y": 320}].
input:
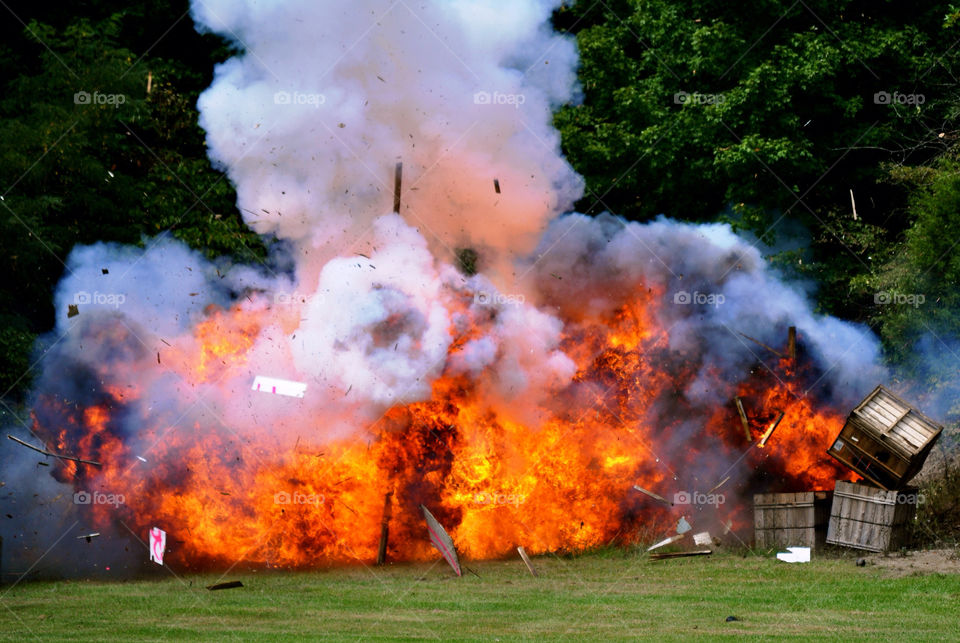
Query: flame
[{"x": 563, "y": 484}]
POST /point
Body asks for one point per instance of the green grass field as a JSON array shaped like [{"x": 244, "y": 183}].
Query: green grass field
[{"x": 604, "y": 595}]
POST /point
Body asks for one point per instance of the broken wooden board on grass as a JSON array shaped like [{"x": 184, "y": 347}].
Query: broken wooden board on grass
[
  {"x": 681, "y": 554},
  {"x": 441, "y": 540}
]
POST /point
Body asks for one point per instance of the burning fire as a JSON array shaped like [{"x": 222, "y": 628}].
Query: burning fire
[
  {"x": 497, "y": 482},
  {"x": 522, "y": 418}
]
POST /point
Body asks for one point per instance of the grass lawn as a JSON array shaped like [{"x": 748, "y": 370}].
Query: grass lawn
[{"x": 608, "y": 594}]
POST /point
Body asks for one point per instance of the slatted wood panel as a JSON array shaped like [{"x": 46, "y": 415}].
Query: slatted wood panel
[
  {"x": 791, "y": 519},
  {"x": 885, "y": 439},
  {"x": 864, "y": 517}
]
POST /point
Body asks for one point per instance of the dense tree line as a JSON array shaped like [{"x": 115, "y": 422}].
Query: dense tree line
[
  {"x": 702, "y": 110},
  {"x": 89, "y": 155}
]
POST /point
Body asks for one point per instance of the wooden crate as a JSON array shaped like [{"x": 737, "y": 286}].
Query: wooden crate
[
  {"x": 865, "y": 517},
  {"x": 885, "y": 440},
  {"x": 791, "y": 519}
]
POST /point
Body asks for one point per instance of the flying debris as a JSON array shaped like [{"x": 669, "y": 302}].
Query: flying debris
[
  {"x": 52, "y": 454},
  {"x": 441, "y": 540},
  {"x": 158, "y": 544},
  {"x": 653, "y": 495},
  {"x": 278, "y": 386},
  {"x": 770, "y": 429}
]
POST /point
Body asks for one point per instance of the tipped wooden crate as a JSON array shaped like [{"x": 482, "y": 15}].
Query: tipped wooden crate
[
  {"x": 791, "y": 519},
  {"x": 885, "y": 440},
  {"x": 864, "y": 517}
]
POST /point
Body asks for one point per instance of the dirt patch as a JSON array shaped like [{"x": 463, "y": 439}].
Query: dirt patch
[{"x": 932, "y": 561}]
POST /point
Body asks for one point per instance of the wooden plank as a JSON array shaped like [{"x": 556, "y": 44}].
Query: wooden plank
[
  {"x": 743, "y": 418},
  {"x": 397, "y": 179},
  {"x": 526, "y": 561}
]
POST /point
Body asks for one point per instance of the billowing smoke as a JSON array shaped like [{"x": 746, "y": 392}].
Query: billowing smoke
[{"x": 151, "y": 364}]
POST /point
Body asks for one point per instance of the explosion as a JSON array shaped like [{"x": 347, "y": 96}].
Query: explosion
[{"x": 521, "y": 404}]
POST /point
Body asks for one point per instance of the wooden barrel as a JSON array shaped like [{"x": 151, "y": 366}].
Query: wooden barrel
[
  {"x": 791, "y": 519},
  {"x": 865, "y": 517}
]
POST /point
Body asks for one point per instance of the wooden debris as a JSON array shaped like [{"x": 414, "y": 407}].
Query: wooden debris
[
  {"x": 665, "y": 542},
  {"x": 766, "y": 436},
  {"x": 89, "y": 536},
  {"x": 228, "y": 585},
  {"x": 719, "y": 484},
  {"x": 703, "y": 538},
  {"x": 653, "y": 495},
  {"x": 397, "y": 178},
  {"x": 72, "y": 310},
  {"x": 496, "y": 185},
  {"x": 759, "y": 343},
  {"x": 743, "y": 417},
  {"x": 384, "y": 529},
  {"x": 441, "y": 540},
  {"x": 149, "y": 82},
  {"x": 681, "y": 554},
  {"x": 526, "y": 561},
  {"x": 55, "y": 455},
  {"x": 792, "y": 344}
]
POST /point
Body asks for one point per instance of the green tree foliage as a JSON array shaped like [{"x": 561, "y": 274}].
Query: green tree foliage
[
  {"x": 763, "y": 112},
  {"x": 88, "y": 155}
]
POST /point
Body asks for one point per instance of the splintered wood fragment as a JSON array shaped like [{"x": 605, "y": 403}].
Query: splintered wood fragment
[
  {"x": 89, "y": 536},
  {"x": 72, "y": 310},
  {"x": 55, "y": 455},
  {"x": 792, "y": 344},
  {"x": 759, "y": 343},
  {"x": 397, "y": 178},
  {"x": 665, "y": 542},
  {"x": 150, "y": 86},
  {"x": 441, "y": 540},
  {"x": 719, "y": 484},
  {"x": 743, "y": 418},
  {"x": 766, "y": 436},
  {"x": 853, "y": 205},
  {"x": 496, "y": 187},
  {"x": 384, "y": 529},
  {"x": 653, "y": 495},
  {"x": 228, "y": 585},
  {"x": 681, "y": 554},
  {"x": 526, "y": 561}
]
